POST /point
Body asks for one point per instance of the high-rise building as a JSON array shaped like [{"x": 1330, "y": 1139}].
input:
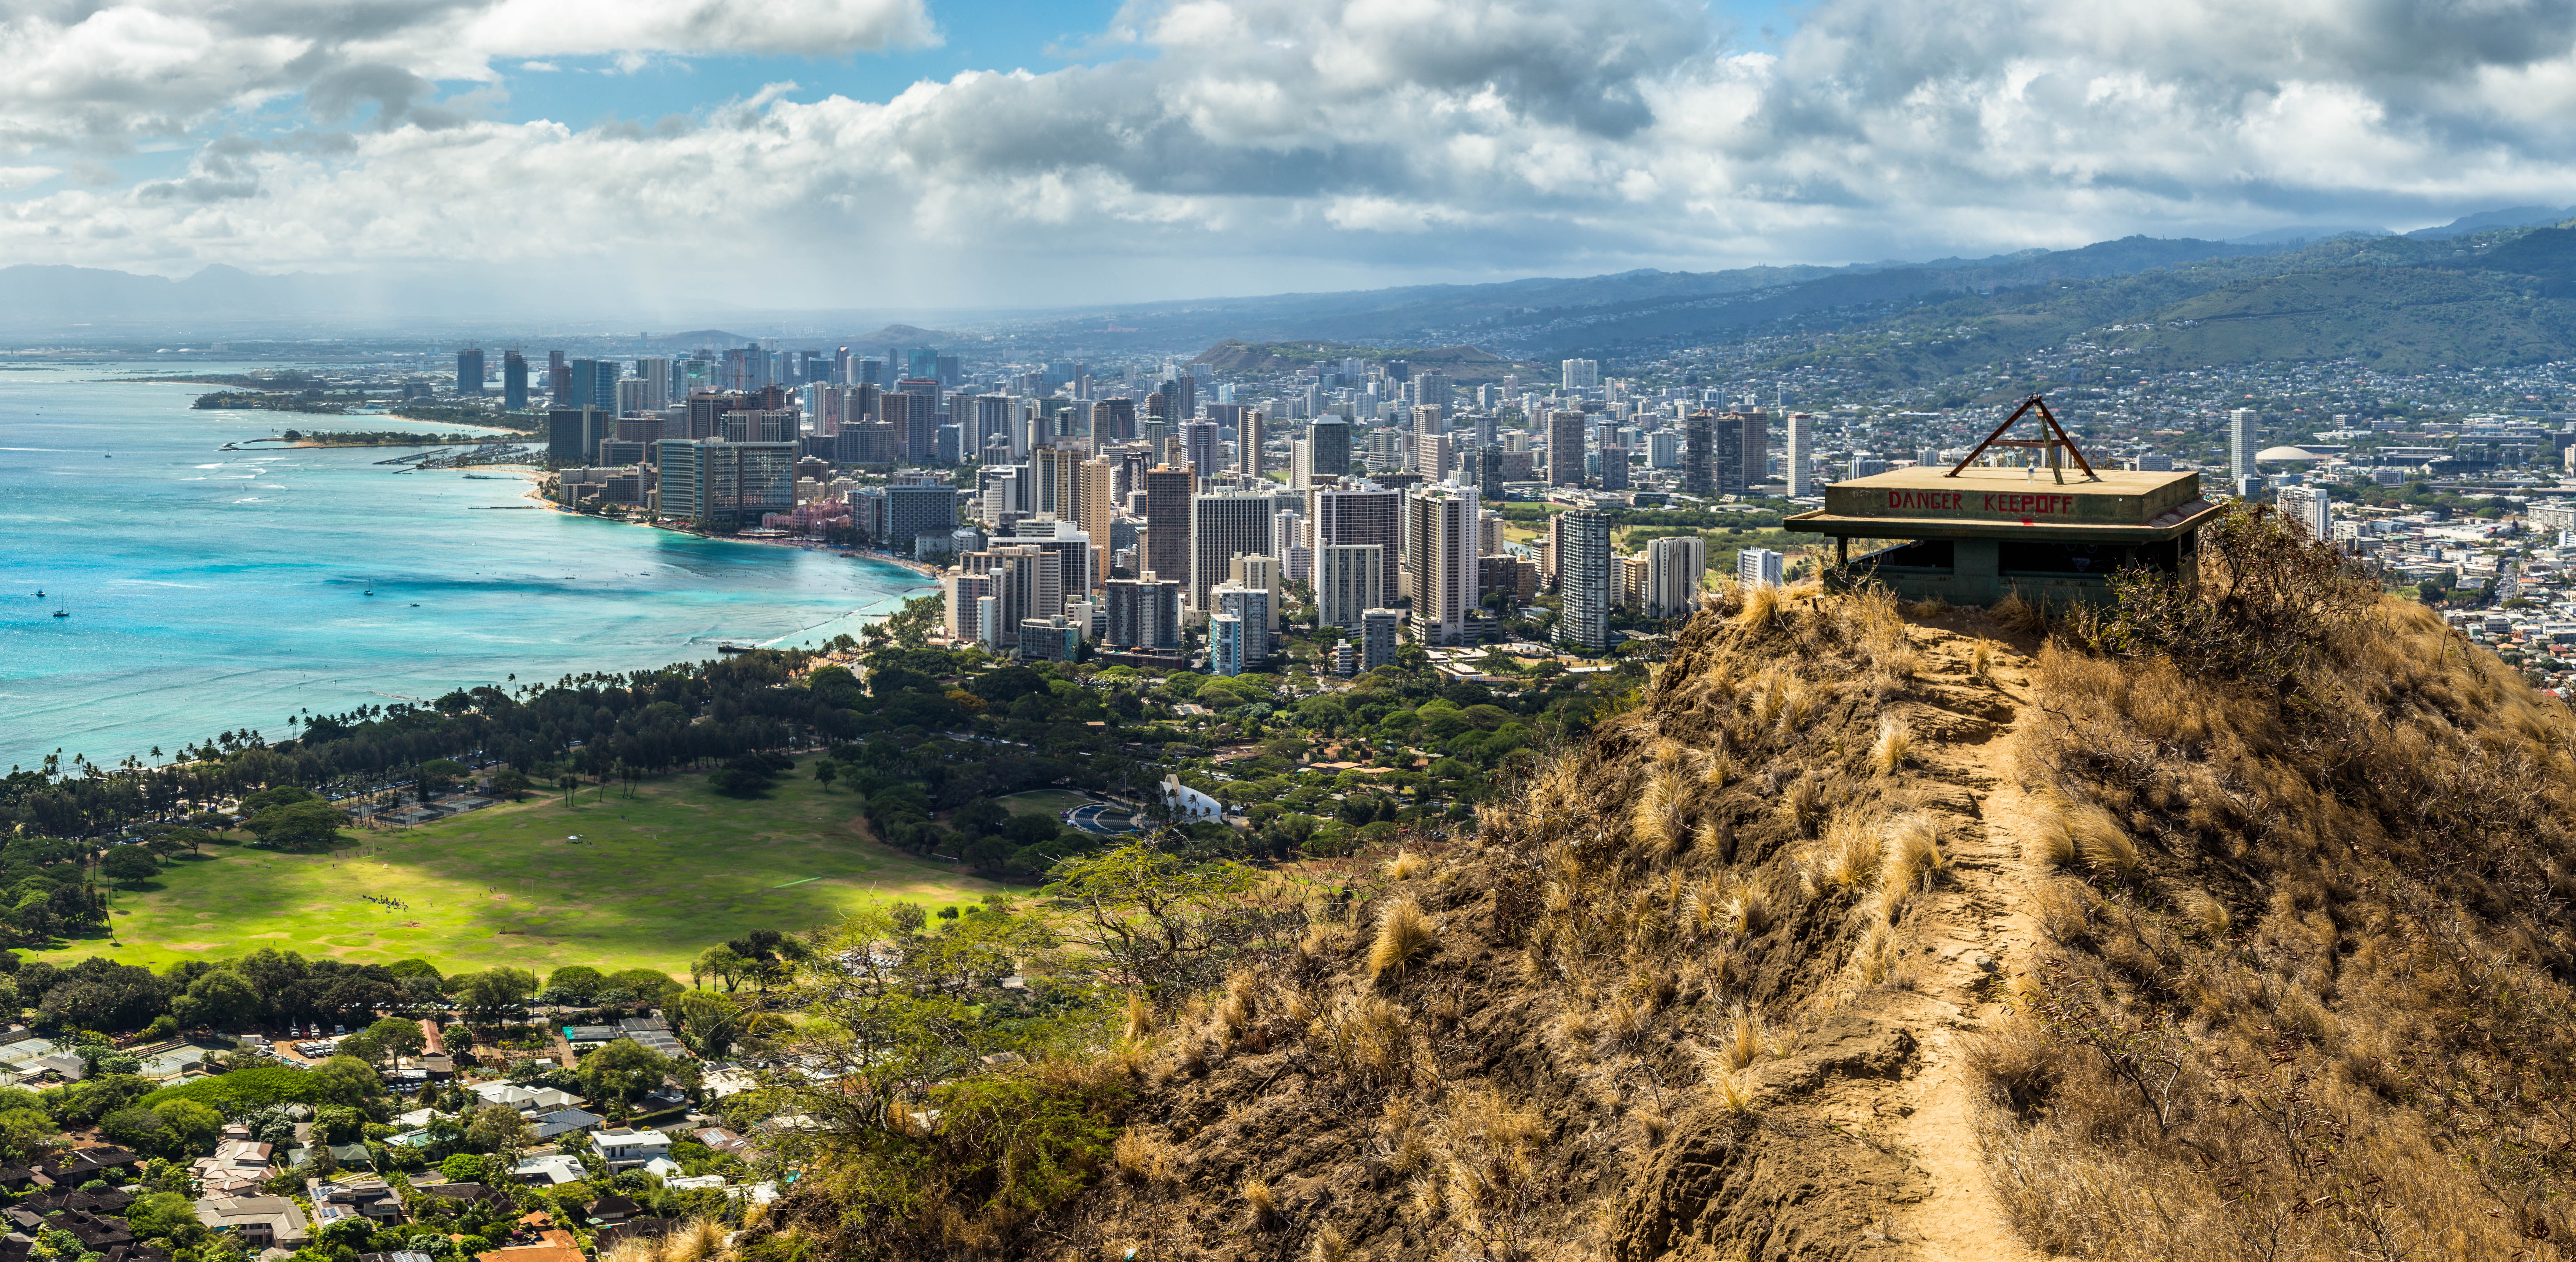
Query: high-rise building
[
  {"x": 573, "y": 434},
  {"x": 469, "y": 370},
  {"x": 558, "y": 379},
  {"x": 1360, "y": 514},
  {"x": 1329, "y": 447},
  {"x": 1168, "y": 490},
  {"x": 1743, "y": 452},
  {"x": 990, "y": 418},
  {"x": 1113, "y": 421},
  {"x": 1581, "y": 374},
  {"x": 963, "y": 590},
  {"x": 1758, "y": 567},
  {"x": 2242, "y": 445},
  {"x": 1699, "y": 453},
  {"x": 1350, "y": 580},
  {"x": 657, "y": 379},
  {"x": 514, "y": 381},
  {"x": 594, "y": 384},
  {"x": 1433, "y": 456},
  {"x": 1201, "y": 442},
  {"x": 1030, "y": 584},
  {"x": 1095, "y": 509},
  {"x": 1144, "y": 613},
  {"x": 1801, "y": 456},
  {"x": 1664, "y": 449},
  {"x": 912, "y": 511},
  {"x": 1224, "y": 525},
  {"x": 1253, "y": 605},
  {"x": 1585, "y": 578},
  {"x": 1440, "y": 561},
  {"x": 1251, "y": 430},
  {"x": 2311, "y": 507},
  {"x": 717, "y": 485},
  {"x": 1377, "y": 637},
  {"x": 1614, "y": 468},
  {"x": 1226, "y": 632},
  {"x": 1673, "y": 570},
  {"x": 1565, "y": 447},
  {"x": 1266, "y": 573}
]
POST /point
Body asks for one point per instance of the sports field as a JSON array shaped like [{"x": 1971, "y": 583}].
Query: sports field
[
  {"x": 652, "y": 881},
  {"x": 1049, "y": 802}
]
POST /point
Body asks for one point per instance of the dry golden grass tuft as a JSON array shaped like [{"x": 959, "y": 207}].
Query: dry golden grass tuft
[
  {"x": 696, "y": 1240},
  {"x": 1406, "y": 865},
  {"x": 1260, "y": 1203},
  {"x": 1661, "y": 820},
  {"x": 1761, "y": 606},
  {"x": 1404, "y": 932},
  {"x": 1894, "y": 746},
  {"x": 1981, "y": 661},
  {"x": 1330, "y": 1246}
]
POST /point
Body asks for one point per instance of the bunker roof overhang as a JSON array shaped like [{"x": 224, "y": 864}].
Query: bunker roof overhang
[{"x": 2112, "y": 507}]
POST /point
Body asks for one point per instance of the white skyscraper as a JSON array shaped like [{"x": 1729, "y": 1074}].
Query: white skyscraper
[
  {"x": 1802, "y": 453},
  {"x": 1349, "y": 581},
  {"x": 1223, "y": 526},
  {"x": 2242, "y": 443},
  {"x": 1673, "y": 569},
  {"x": 2310, "y": 507},
  {"x": 1757, "y": 567},
  {"x": 1581, "y": 374}
]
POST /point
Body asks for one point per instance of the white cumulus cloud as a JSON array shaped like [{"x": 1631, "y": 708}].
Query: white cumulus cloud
[{"x": 1291, "y": 143}]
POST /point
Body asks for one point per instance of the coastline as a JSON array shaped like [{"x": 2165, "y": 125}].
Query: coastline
[{"x": 926, "y": 570}]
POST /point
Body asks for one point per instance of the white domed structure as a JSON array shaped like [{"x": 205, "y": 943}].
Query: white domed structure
[{"x": 2286, "y": 455}]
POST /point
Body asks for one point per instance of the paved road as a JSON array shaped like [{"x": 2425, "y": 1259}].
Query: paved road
[{"x": 1103, "y": 820}]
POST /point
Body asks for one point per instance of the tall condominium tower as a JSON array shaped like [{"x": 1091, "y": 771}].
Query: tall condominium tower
[
  {"x": 1585, "y": 578},
  {"x": 1565, "y": 448},
  {"x": 1224, "y": 525},
  {"x": 1440, "y": 561},
  {"x": 1167, "y": 521}
]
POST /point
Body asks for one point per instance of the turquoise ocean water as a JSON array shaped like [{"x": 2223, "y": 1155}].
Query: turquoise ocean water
[{"x": 213, "y": 590}]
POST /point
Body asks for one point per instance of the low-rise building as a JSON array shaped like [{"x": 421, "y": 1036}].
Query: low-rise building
[
  {"x": 259, "y": 1222},
  {"x": 626, "y": 1149}
]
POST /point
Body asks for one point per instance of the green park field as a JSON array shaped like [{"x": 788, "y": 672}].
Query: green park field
[
  {"x": 1047, "y": 802},
  {"x": 654, "y": 880}
]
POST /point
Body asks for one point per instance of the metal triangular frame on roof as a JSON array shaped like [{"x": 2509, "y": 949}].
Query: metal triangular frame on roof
[{"x": 1997, "y": 439}]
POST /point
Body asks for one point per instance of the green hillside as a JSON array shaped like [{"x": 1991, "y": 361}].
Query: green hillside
[{"x": 2398, "y": 318}]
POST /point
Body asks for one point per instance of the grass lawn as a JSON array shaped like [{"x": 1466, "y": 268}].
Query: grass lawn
[
  {"x": 1048, "y": 802},
  {"x": 654, "y": 880}
]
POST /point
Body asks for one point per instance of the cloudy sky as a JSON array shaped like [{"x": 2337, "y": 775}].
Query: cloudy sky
[{"x": 1006, "y": 152}]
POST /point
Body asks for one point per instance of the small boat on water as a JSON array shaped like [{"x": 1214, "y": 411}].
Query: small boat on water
[{"x": 65, "y": 610}]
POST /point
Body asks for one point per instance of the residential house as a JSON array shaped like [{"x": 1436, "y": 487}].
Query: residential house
[
  {"x": 363, "y": 1196},
  {"x": 345, "y": 1156},
  {"x": 553, "y": 1169},
  {"x": 239, "y": 1164},
  {"x": 652, "y": 1032},
  {"x": 525, "y": 1099},
  {"x": 722, "y": 1140},
  {"x": 627, "y": 1149},
  {"x": 550, "y": 1127},
  {"x": 261, "y": 1222},
  {"x": 608, "y": 1211}
]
